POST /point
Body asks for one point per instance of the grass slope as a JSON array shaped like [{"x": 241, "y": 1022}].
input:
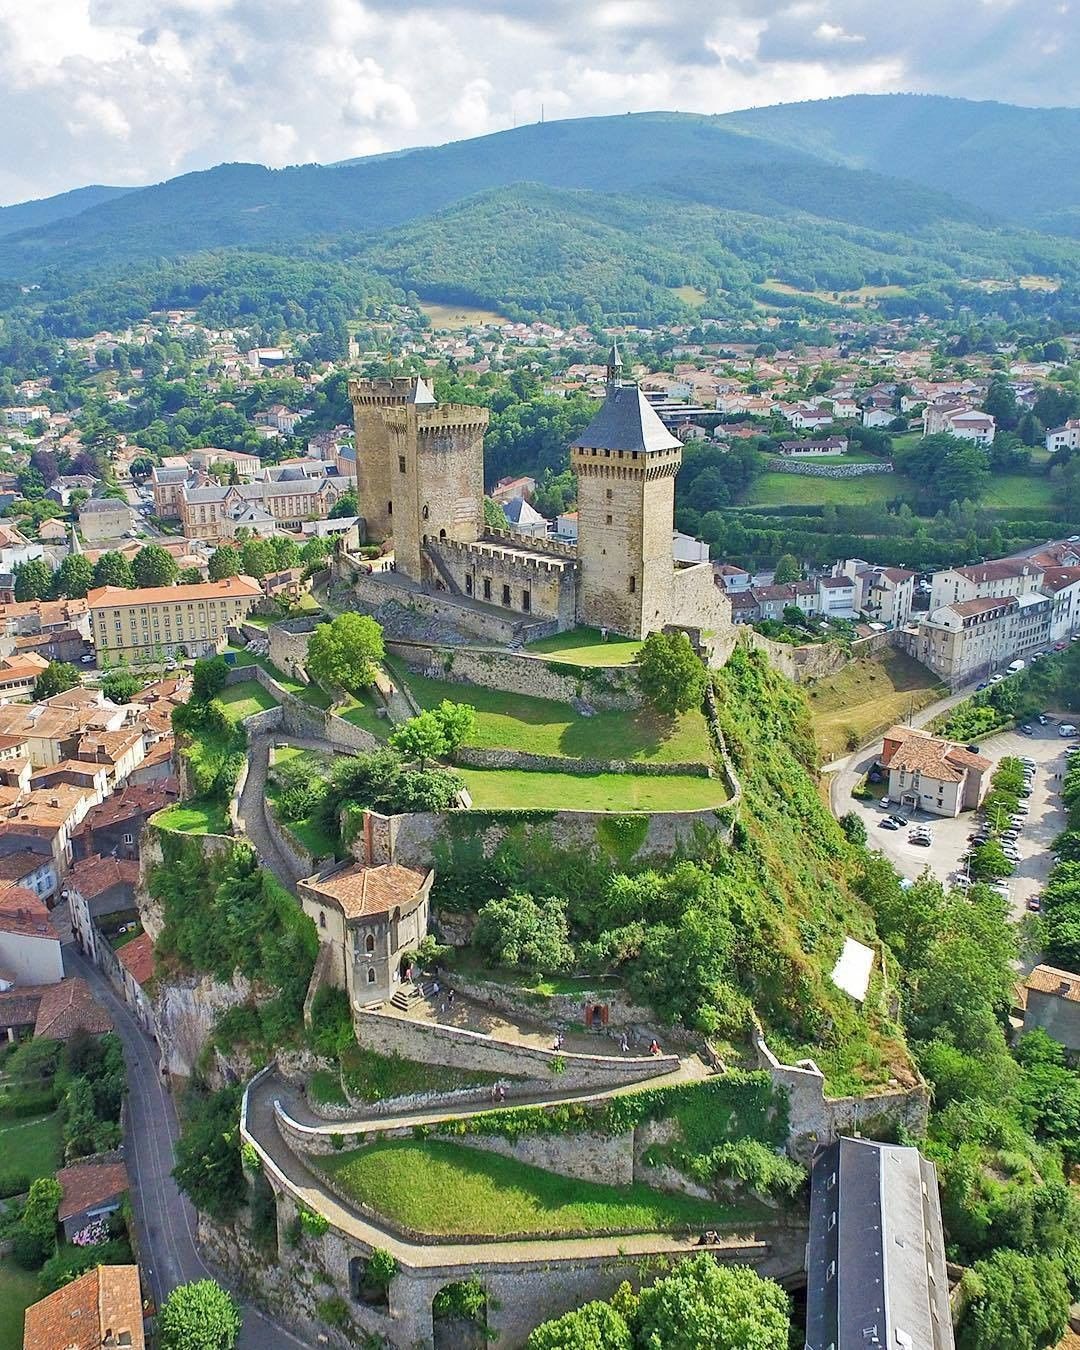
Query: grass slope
[
  {"x": 866, "y": 697},
  {"x": 585, "y": 647},
  {"x": 18, "y": 1289},
  {"x": 33, "y": 1146},
  {"x": 195, "y": 817},
  {"x": 544, "y": 727},
  {"x": 510, "y": 789},
  {"x": 447, "y": 1190}
]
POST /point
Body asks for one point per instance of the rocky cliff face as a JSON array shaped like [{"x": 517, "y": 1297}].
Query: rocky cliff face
[{"x": 186, "y": 1009}]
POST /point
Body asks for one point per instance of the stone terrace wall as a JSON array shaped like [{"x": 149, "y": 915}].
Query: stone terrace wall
[
  {"x": 816, "y": 1119},
  {"x": 522, "y": 759},
  {"x": 411, "y": 839},
  {"x": 297, "y": 718},
  {"x": 808, "y": 470},
  {"x": 289, "y": 643},
  {"x": 455, "y": 1048},
  {"x": 608, "y": 1159},
  {"x": 602, "y": 687}
]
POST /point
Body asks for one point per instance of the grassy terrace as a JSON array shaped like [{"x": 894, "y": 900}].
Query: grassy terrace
[
  {"x": 585, "y": 647},
  {"x": 866, "y": 697},
  {"x": 243, "y": 699},
  {"x": 512, "y": 789},
  {"x": 376, "y": 1077},
  {"x": 18, "y": 1289},
  {"x": 195, "y": 817},
  {"x": 1007, "y": 491},
  {"x": 445, "y": 1190},
  {"x": 32, "y": 1146},
  {"x": 360, "y": 711},
  {"x": 539, "y": 725}
]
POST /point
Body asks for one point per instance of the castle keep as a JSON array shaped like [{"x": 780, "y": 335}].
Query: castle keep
[{"x": 420, "y": 489}]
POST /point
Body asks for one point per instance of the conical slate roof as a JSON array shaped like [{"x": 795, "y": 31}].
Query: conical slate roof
[
  {"x": 422, "y": 392},
  {"x": 625, "y": 421}
]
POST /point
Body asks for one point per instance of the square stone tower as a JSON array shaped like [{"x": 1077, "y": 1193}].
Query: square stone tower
[
  {"x": 374, "y": 460},
  {"x": 436, "y": 479},
  {"x": 625, "y": 462}
]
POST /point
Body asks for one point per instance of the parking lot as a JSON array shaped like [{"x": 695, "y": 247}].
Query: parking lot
[{"x": 1044, "y": 822}]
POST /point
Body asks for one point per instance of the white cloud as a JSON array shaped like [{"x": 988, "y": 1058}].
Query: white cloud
[{"x": 132, "y": 91}]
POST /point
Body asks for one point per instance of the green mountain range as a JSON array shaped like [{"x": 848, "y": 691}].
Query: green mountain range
[{"x": 910, "y": 195}]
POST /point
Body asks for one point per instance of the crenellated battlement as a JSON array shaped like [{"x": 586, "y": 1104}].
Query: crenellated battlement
[
  {"x": 518, "y": 553},
  {"x": 433, "y": 420},
  {"x": 374, "y": 392}
]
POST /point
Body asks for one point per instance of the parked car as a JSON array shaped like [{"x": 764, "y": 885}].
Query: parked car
[
  {"x": 981, "y": 685},
  {"x": 995, "y": 679},
  {"x": 900, "y": 820},
  {"x": 1033, "y": 903},
  {"x": 887, "y": 801},
  {"x": 974, "y": 749},
  {"x": 1025, "y": 730},
  {"x": 1044, "y": 721},
  {"x": 889, "y": 824},
  {"x": 1025, "y": 792},
  {"x": 1067, "y": 729},
  {"x": 923, "y": 840}
]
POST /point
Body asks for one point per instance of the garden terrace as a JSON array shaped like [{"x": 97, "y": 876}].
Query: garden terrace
[
  {"x": 586, "y": 647},
  {"x": 512, "y": 789}
]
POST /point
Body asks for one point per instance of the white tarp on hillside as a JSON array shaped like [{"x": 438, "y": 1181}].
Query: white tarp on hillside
[{"x": 852, "y": 971}]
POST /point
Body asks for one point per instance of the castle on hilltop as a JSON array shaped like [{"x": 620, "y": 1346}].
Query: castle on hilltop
[{"x": 420, "y": 490}]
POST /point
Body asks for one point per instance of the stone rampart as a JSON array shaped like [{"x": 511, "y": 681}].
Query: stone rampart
[
  {"x": 579, "y": 1154},
  {"x": 601, "y": 687},
  {"x": 529, "y": 763},
  {"x": 808, "y": 470},
  {"x": 456, "y": 1048},
  {"x": 816, "y": 1119},
  {"x": 288, "y": 644},
  {"x": 368, "y": 592}
]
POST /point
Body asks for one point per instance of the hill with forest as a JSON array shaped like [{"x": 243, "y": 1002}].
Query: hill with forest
[
  {"x": 603, "y": 216},
  {"x": 45, "y": 210}
]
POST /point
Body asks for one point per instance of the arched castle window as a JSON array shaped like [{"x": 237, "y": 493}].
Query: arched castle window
[
  {"x": 371, "y": 975},
  {"x": 322, "y": 919},
  {"x": 442, "y": 534},
  {"x": 369, "y": 943},
  {"x": 424, "y": 513}
]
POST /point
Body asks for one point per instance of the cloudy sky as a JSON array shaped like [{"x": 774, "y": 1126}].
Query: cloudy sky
[{"x": 134, "y": 91}]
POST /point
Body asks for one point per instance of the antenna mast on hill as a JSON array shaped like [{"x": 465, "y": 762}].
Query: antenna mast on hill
[{"x": 541, "y": 114}]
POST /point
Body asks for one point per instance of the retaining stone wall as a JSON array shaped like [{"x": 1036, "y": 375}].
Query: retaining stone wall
[
  {"x": 601, "y": 687},
  {"x": 431, "y": 1043},
  {"x": 816, "y": 1119},
  {"x": 522, "y": 759},
  {"x": 809, "y": 470},
  {"x": 369, "y": 592}
]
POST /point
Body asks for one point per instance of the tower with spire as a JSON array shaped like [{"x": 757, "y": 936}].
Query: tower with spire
[{"x": 625, "y": 462}]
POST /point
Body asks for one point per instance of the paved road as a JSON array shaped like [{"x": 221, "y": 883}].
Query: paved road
[{"x": 164, "y": 1220}]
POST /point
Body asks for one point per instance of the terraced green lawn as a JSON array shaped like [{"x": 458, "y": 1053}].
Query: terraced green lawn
[
  {"x": 361, "y": 713},
  {"x": 242, "y": 699},
  {"x": 446, "y": 1190},
  {"x": 376, "y": 1077},
  {"x": 585, "y": 647},
  {"x": 512, "y": 789},
  {"x": 32, "y": 1146},
  {"x": 195, "y": 817},
  {"x": 791, "y": 489},
  {"x": 544, "y": 727}
]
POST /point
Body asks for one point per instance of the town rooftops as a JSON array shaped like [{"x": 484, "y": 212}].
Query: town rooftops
[
  {"x": 99, "y": 505},
  {"x": 21, "y": 863},
  {"x": 22, "y": 914},
  {"x": 1049, "y": 980},
  {"x": 93, "y": 876},
  {"x": 999, "y": 569},
  {"x": 85, "y": 1185},
  {"x": 1059, "y": 578},
  {"x": 983, "y": 604},
  {"x": 136, "y": 799},
  {"x": 239, "y": 587},
  {"x": 365, "y": 892},
  {"x": 917, "y": 751},
  {"x": 626, "y": 421},
  {"x": 68, "y": 1007},
  {"x": 79, "y": 1316}
]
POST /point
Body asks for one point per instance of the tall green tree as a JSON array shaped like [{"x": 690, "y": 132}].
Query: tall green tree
[
  {"x": 787, "y": 570},
  {"x": 55, "y": 678},
  {"x": 113, "y": 569},
  {"x": 257, "y": 558},
  {"x": 199, "y": 1316},
  {"x": 703, "y": 1306},
  {"x": 74, "y": 577},
  {"x": 224, "y": 562},
  {"x": 33, "y": 581},
  {"x": 421, "y": 738},
  {"x": 154, "y": 566},
  {"x": 670, "y": 673},
  {"x": 1014, "y": 1300},
  {"x": 344, "y": 654}
]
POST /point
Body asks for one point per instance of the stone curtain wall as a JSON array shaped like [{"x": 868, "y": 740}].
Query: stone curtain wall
[
  {"x": 809, "y": 470},
  {"x": 522, "y": 759},
  {"x": 816, "y": 1119},
  {"x": 458, "y": 1049},
  {"x": 602, "y": 687}
]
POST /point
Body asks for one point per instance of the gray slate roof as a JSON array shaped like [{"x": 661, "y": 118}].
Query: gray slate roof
[
  {"x": 876, "y": 1271},
  {"x": 625, "y": 421}
]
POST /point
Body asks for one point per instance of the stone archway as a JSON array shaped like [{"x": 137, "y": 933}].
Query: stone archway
[{"x": 459, "y": 1316}]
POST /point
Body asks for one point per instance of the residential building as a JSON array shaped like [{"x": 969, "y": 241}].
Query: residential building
[
  {"x": 23, "y": 414},
  {"x": 24, "y": 865},
  {"x": 101, "y": 1308},
  {"x": 731, "y": 578},
  {"x": 95, "y": 888},
  {"x": 135, "y": 961},
  {"x": 876, "y": 1272},
  {"x": 566, "y": 526},
  {"x": 243, "y": 462},
  {"x": 89, "y": 1191},
  {"x": 367, "y": 918},
  {"x": 1065, "y": 437},
  {"x": 956, "y": 418},
  {"x": 830, "y": 445},
  {"x": 67, "y": 1008},
  {"x": 999, "y": 578},
  {"x": 29, "y": 945},
  {"x": 215, "y": 512},
  {"x": 135, "y": 625},
  {"x": 885, "y": 594},
  {"x": 43, "y": 818},
  {"x": 103, "y": 518},
  {"x": 525, "y": 519},
  {"x": 971, "y": 638},
  {"x": 1051, "y": 999},
  {"x": 1062, "y": 585},
  {"x": 934, "y": 775},
  {"x": 18, "y": 676},
  {"x": 168, "y": 487},
  {"x": 837, "y": 597}
]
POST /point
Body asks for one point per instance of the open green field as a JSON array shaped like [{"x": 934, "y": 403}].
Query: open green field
[
  {"x": 32, "y": 1146},
  {"x": 792, "y": 489},
  {"x": 307, "y": 831},
  {"x": 543, "y": 727},
  {"x": 852, "y": 457},
  {"x": 310, "y": 693},
  {"x": 1011, "y": 491},
  {"x": 243, "y": 699},
  {"x": 18, "y": 1289},
  {"x": 585, "y": 647},
  {"x": 195, "y": 817},
  {"x": 689, "y": 295},
  {"x": 866, "y": 698},
  {"x": 512, "y": 789},
  {"x": 361, "y": 712},
  {"x": 447, "y": 1190},
  {"x": 460, "y": 316}
]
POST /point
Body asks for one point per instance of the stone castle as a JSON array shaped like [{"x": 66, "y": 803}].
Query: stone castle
[{"x": 420, "y": 489}]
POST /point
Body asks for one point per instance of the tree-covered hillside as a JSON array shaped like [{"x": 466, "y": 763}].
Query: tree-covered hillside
[{"x": 1019, "y": 163}]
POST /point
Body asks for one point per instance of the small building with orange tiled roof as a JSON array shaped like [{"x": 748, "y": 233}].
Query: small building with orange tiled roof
[
  {"x": 89, "y": 1190},
  {"x": 367, "y": 918},
  {"x": 932, "y": 774},
  {"x": 103, "y": 1307}
]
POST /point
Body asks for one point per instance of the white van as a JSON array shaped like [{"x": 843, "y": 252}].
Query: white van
[
  {"x": 1015, "y": 667},
  {"x": 1066, "y": 729}
]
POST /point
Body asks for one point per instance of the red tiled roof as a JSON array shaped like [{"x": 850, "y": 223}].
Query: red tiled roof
[
  {"x": 23, "y": 914},
  {"x": 85, "y": 1185},
  {"x": 91, "y": 876},
  {"x": 68, "y": 1007},
  {"x": 137, "y": 958},
  {"x": 362, "y": 891},
  {"x": 77, "y": 1316}
]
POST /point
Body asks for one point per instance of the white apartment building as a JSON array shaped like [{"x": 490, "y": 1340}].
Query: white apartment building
[
  {"x": 1066, "y": 437},
  {"x": 968, "y": 639},
  {"x": 997, "y": 579}
]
